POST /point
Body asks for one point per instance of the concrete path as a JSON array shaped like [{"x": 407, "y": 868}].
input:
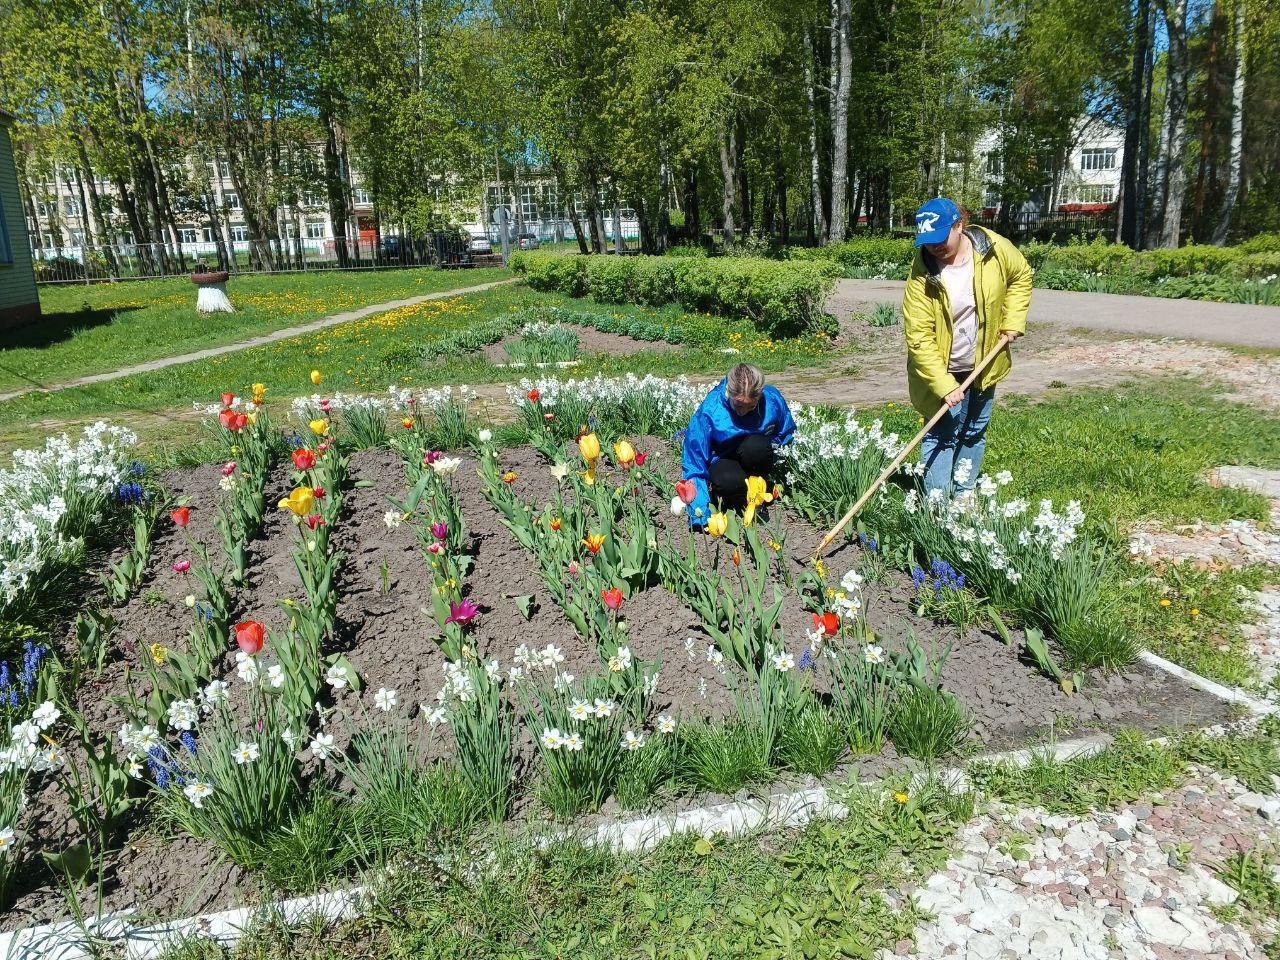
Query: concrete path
[
  {"x": 1238, "y": 324},
  {"x": 273, "y": 337}
]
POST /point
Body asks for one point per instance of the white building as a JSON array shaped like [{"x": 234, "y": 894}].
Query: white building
[{"x": 1090, "y": 182}]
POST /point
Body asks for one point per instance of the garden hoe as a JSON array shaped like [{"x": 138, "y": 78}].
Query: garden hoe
[{"x": 897, "y": 461}]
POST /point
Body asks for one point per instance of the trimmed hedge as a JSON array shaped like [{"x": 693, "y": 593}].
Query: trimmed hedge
[
  {"x": 860, "y": 252},
  {"x": 782, "y": 299}
]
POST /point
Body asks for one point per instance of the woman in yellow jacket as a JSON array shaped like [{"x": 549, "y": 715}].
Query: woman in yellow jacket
[{"x": 968, "y": 286}]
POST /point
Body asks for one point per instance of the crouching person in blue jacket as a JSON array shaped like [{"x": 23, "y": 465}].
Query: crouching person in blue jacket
[{"x": 733, "y": 435}]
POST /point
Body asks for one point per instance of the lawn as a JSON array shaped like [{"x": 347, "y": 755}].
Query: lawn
[
  {"x": 368, "y": 354},
  {"x": 101, "y": 327}
]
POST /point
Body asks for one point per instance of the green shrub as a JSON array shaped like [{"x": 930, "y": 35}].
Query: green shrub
[
  {"x": 884, "y": 315},
  {"x": 1096, "y": 257},
  {"x": 1098, "y": 642},
  {"x": 783, "y": 299},
  {"x": 1038, "y": 252},
  {"x": 1262, "y": 243},
  {"x": 861, "y": 253},
  {"x": 1184, "y": 261},
  {"x": 1257, "y": 265},
  {"x": 1197, "y": 287}
]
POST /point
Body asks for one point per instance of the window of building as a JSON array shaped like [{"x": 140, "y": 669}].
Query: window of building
[
  {"x": 1095, "y": 193},
  {"x": 362, "y": 197},
  {"x": 315, "y": 229},
  {"x": 239, "y": 232},
  {"x": 77, "y": 238},
  {"x": 231, "y": 200},
  {"x": 994, "y": 167},
  {"x": 991, "y": 198},
  {"x": 1098, "y": 158},
  {"x": 71, "y": 207},
  {"x": 187, "y": 234},
  {"x": 312, "y": 199},
  {"x": 529, "y": 204}
]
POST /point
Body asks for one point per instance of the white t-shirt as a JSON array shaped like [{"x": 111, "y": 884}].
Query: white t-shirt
[{"x": 958, "y": 280}]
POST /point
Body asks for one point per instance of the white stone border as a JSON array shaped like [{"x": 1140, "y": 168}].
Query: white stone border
[{"x": 65, "y": 940}]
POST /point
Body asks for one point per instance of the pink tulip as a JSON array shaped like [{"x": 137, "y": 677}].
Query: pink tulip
[
  {"x": 462, "y": 612},
  {"x": 182, "y": 566},
  {"x": 435, "y": 547},
  {"x": 439, "y": 530}
]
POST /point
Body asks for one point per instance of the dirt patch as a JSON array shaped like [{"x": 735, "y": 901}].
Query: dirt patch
[
  {"x": 590, "y": 340},
  {"x": 388, "y": 636}
]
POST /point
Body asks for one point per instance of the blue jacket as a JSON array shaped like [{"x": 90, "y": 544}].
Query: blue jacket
[{"x": 715, "y": 425}]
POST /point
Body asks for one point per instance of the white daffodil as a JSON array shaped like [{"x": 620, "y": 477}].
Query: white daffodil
[
  {"x": 275, "y": 676},
  {"x": 183, "y": 714},
  {"x": 245, "y": 752},
  {"x": 196, "y": 792},
  {"x": 133, "y": 766},
  {"x": 873, "y": 653},
  {"x": 322, "y": 745},
  {"x": 851, "y": 581},
  {"x": 581, "y": 710},
  {"x": 560, "y": 471},
  {"x": 385, "y": 700},
  {"x": 336, "y": 676},
  {"x": 551, "y": 739},
  {"x": 484, "y": 436},
  {"x": 603, "y": 708},
  {"x": 435, "y": 715},
  {"x": 714, "y": 655},
  {"x": 563, "y": 682},
  {"x": 7, "y": 840},
  {"x": 45, "y": 715},
  {"x": 666, "y": 724},
  {"x": 572, "y": 743},
  {"x": 393, "y": 519},
  {"x": 782, "y": 662},
  {"x": 246, "y": 667},
  {"x": 290, "y": 738},
  {"x": 632, "y": 740},
  {"x": 213, "y": 694}
]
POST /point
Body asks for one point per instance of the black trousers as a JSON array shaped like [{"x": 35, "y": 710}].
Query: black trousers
[{"x": 751, "y": 455}]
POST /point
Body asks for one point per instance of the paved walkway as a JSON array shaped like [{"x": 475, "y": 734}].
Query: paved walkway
[
  {"x": 1238, "y": 324},
  {"x": 273, "y": 337}
]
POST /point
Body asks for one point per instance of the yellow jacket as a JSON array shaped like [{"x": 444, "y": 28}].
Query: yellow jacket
[{"x": 1002, "y": 296}]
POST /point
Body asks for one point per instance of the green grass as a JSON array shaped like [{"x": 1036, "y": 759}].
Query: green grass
[
  {"x": 101, "y": 327},
  {"x": 367, "y": 355},
  {"x": 814, "y": 892}
]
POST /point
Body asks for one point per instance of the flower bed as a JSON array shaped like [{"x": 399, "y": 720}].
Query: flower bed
[{"x": 414, "y": 641}]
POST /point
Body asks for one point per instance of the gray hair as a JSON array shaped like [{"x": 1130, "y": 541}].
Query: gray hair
[{"x": 745, "y": 380}]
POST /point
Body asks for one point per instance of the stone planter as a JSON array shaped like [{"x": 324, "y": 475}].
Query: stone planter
[{"x": 211, "y": 292}]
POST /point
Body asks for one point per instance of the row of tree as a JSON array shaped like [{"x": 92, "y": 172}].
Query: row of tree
[{"x": 802, "y": 120}]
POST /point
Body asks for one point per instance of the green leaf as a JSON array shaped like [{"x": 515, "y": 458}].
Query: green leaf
[
  {"x": 75, "y": 861},
  {"x": 363, "y": 483},
  {"x": 526, "y": 603},
  {"x": 702, "y": 847},
  {"x": 340, "y": 660}
]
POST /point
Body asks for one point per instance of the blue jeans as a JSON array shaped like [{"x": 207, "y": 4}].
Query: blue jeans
[{"x": 961, "y": 434}]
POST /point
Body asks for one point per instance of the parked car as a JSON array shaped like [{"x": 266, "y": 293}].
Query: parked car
[
  {"x": 529, "y": 241},
  {"x": 480, "y": 245}
]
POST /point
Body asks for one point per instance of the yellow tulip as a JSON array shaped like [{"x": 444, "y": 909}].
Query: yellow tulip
[
  {"x": 624, "y": 453},
  {"x": 315, "y": 377},
  {"x": 757, "y": 495},
  {"x": 299, "y": 502},
  {"x": 717, "y": 524},
  {"x": 589, "y": 446},
  {"x": 320, "y": 428}
]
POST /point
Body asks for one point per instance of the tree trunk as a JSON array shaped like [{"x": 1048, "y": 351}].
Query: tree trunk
[
  {"x": 1174, "y": 169},
  {"x": 1205, "y": 168},
  {"x": 1130, "y": 174},
  {"x": 817, "y": 219},
  {"x": 335, "y": 186},
  {"x": 840, "y": 26},
  {"x": 745, "y": 204},
  {"x": 1144, "y": 140},
  {"x": 1236, "y": 155},
  {"x": 729, "y": 171}
]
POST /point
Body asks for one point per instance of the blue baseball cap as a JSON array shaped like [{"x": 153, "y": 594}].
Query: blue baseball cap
[{"x": 934, "y": 220}]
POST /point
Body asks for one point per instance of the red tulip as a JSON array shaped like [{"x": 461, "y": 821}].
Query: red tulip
[
  {"x": 313, "y": 520},
  {"x": 686, "y": 490},
  {"x": 249, "y": 636},
  {"x": 228, "y": 468},
  {"x": 548, "y": 417},
  {"x": 318, "y": 492},
  {"x": 228, "y": 399},
  {"x": 612, "y": 598},
  {"x": 304, "y": 459},
  {"x": 828, "y": 623},
  {"x": 737, "y": 559},
  {"x": 534, "y": 395},
  {"x": 182, "y": 566},
  {"x": 181, "y": 516},
  {"x": 228, "y": 419},
  {"x": 641, "y": 458}
]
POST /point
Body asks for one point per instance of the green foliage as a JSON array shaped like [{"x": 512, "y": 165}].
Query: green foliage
[
  {"x": 543, "y": 343},
  {"x": 1252, "y": 875},
  {"x": 312, "y": 848},
  {"x": 781, "y": 299},
  {"x": 927, "y": 723},
  {"x": 871, "y": 252},
  {"x": 812, "y": 739},
  {"x": 723, "y": 757},
  {"x": 884, "y": 315},
  {"x": 1098, "y": 641}
]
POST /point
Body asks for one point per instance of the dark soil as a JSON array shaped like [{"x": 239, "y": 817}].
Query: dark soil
[
  {"x": 388, "y": 636},
  {"x": 590, "y": 340}
]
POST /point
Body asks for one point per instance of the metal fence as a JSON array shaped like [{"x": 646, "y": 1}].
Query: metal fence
[
  {"x": 1060, "y": 225},
  {"x": 133, "y": 261}
]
